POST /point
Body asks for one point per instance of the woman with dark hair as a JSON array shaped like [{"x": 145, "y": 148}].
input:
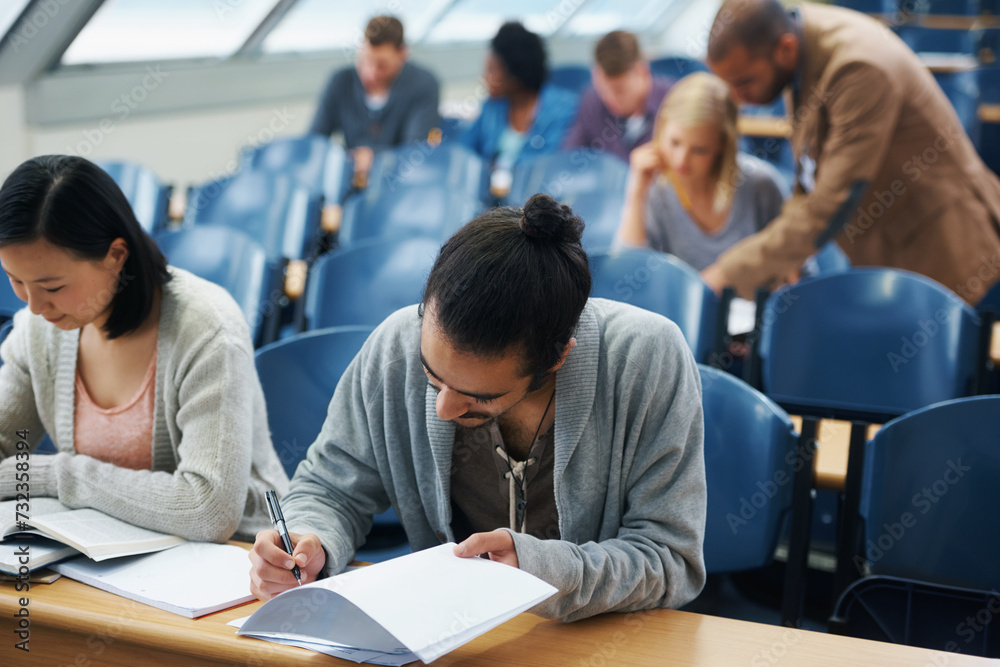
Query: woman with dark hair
[
  {"x": 513, "y": 415},
  {"x": 142, "y": 374},
  {"x": 523, "y": 116}
]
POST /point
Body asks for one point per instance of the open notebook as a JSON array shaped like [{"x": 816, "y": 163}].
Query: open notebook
[
  {"x": 93, "y": 533},
  {"x": 418, "y": 606}
]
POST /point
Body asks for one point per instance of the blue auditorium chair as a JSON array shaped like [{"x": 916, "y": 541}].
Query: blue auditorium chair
[
  {"x": 749, "y": 451},
  {"x": 4, "y": 332},
  {"x": 452, "y": 128},
  {"x": 311, "y": 160},
  {"x": 9, "y": 302},
  {"x": 865, "y": 345},
  {"x": 917, "y": 613},
  {"x": 148, "y": 196},
  {"x": 299, "y": 375},
  {"x": 662, "y": 284},
  {"x": 419, "y": 165},
  {"x": 828, "y": 259},
  {"x": 676, "y": 67},
  {"x": 433, "y": 211},
  {"x": 234, "y": 261},
  {"x": 929, "y": 489},
  {"x": 601, "y": 213},
  {"x": 574, "y": 78},
  {"x": 272, "y": 209},
  {"x": 568, "y": 172},
  {"x": 366, "y": 282}
]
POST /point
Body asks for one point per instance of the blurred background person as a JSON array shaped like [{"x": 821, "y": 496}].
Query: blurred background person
[
  {"x": 523, "y": 116},
  {"x": 619, "y": 111},
  {"x": 690, "y": 191},
  {"x": 383, "y": 101}
]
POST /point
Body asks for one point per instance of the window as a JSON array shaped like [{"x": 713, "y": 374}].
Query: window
[
  {"x": 479, "y": 20},
  {"x": 9, "y": 11},
  {"x": 137, "y": 30},
  {"x": 599, "y": 18},
  {"x": 327, "y": 25}
]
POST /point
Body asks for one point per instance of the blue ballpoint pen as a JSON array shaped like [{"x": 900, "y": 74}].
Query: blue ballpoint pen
[{"x": 278, "y": 519}]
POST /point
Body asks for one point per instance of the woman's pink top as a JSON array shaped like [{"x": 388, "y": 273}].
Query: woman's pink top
[{"x": 122, "y": 435}]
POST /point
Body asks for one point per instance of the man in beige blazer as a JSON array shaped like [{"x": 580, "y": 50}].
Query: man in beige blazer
[{"x": 883, "y": 164}]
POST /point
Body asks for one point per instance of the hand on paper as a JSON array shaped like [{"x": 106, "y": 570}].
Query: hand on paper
[
  {"x": 498, "y": 544},
  {"x": 271, "y": 567}
]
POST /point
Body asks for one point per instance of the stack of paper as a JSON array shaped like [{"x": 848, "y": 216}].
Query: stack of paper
[
  {"x": 421, "y": 605},
  {"x": 192, "y": 579}
]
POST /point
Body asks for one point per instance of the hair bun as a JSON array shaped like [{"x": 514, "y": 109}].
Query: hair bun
[{"x": 545, "y": 218}]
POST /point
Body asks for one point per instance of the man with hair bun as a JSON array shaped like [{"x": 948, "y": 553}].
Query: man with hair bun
[
  {"x": 513, "y": 415},
  {"x": 382, "y": 101},
  {"x": 619, "y": 111},
  {"x": 884, "y": 165}
]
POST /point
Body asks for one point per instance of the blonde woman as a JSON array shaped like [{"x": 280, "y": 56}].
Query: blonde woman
[{"x": 690, "y": 191}]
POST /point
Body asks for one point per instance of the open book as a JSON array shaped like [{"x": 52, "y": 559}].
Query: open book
[
  {"x": 421, "y": 605},
  {"x": 89, "y": 531},
  {"x": 193, "y": 579},
  {"x": 34, "y": 552}
]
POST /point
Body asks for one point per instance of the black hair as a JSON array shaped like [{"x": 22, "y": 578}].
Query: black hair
[
  {"x": 522, "y": 53},
  {"x": 512, "y": 279},
  {"x": 755, "y": 24},
  {"x": 75, "y": 205}
]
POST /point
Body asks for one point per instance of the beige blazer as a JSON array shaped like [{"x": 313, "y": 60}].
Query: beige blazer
[{"x": 867, "y": 109}]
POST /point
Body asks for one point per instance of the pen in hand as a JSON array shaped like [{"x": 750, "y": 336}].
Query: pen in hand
[{"x": 278, "y": 519}]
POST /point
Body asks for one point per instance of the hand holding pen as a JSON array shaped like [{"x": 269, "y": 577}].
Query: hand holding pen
[{"x": 278, "y": 519}]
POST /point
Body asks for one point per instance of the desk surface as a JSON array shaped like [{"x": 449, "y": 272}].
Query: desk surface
[{"x": 74, "y": 624}]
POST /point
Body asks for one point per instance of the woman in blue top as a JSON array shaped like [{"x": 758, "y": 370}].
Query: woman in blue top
[
  {"x": 523, "y": 117},
  {"x": 690, "y": 191}
]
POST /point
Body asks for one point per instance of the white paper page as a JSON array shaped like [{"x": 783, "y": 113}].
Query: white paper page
[
  {"x": 192, "y": 579},
  {"x": 451, "y": 601},
  {"x": 316, "y": 613},
  {"x": 101, "y": 536},
  {"x": 741, "y": 316},
  {"x": 41, "y": 552},
  {"x": 36, "y": 507}
]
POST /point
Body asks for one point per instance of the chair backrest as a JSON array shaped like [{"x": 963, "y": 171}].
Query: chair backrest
[
  {"x": 311, "y": 160},
  {"x": 568, "y": 172},
  {"x": 299, "y": 375},
  {"x": 272, "y": 209},
  {"x": 367, "y": 282},
  {"x": 663, "y": 284},
  {"x": 990, "y": 300},
  {"x": 676, "y": 67},
  {"x": 433, "y": 211},
  {"x": 574, "y": 78},
  {"x": 9, "y": 303},
  {"x": 149, "y": 198},
  {"x": 601, "y": 212},
  {"x": 420, "y": 165},
  {"x": 916, "y": 613},
  {"x": 928, "y": 498},
  {"x": 232, "y": 260},
  {"x": 828, "y": 259},
  {"x": 869, "y": 343},
  {"x": 749, "y": 445}
]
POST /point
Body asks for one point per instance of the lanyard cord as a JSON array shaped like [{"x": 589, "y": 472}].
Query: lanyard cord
[{"x": 518, "y": 509}]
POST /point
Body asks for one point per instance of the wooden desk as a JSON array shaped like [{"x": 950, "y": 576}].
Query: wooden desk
[
  {"x": 74, "y": 624},
  {"x": 833, "y": 441},
  {"x": 764, "y": 126}
]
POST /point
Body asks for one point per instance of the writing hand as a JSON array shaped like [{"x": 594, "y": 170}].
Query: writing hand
[{"x": 271, "y": 567}]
